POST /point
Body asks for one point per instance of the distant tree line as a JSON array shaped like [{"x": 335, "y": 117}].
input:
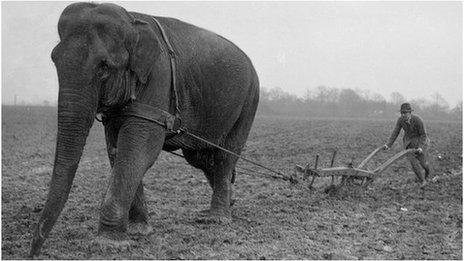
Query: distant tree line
[{"x": 348, "y": 103}]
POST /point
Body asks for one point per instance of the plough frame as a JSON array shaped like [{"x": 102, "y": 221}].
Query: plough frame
[{"x": 349, "y": 172}]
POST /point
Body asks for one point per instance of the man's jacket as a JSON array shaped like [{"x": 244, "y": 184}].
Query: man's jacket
[{"x": 414, "y": 133}]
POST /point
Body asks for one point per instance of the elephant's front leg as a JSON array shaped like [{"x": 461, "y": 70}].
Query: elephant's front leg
[
  {"x": 138, "y": 214},
  {"x": 139, "y": 144}
]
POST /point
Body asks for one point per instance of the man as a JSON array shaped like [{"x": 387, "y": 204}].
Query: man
[{"x": 414, "y": 137}]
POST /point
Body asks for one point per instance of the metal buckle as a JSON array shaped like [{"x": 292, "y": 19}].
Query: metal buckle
[{"x": 101, "y": 119}]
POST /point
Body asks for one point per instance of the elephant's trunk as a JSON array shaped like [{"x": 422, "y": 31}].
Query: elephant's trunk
[{"x": 76, "y": 112}]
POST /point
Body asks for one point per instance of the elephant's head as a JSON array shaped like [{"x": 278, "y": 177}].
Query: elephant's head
[
  {"x": 103, "y": 52},
  {"x": 101, "y": 60}
]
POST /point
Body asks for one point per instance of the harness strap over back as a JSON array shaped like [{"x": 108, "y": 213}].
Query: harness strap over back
[
  {"x": 144, "y": 111},
  {"x": 173, "y": 64}
]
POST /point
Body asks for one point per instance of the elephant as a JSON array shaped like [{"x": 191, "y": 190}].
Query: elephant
[{"x": 109, "y": 58}]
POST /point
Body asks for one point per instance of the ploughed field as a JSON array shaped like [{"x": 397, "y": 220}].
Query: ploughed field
[{"x": 391, "y": 219}]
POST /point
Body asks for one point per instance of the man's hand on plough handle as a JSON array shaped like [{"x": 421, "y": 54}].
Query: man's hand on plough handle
[{"x": 418, "y": 150}]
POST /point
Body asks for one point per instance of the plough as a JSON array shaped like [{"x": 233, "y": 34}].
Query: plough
[{"x": 349, "y": 173}]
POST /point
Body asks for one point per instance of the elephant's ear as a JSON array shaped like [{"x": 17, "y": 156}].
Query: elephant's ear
[{"x": 145, "y": 49}]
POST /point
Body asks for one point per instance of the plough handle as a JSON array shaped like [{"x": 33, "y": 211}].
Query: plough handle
[
  {"x": 365, "y": 161},
  {"x": 393, "y": 159}
]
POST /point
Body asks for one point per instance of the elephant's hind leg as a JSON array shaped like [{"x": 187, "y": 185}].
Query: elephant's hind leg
[
  {"x": 221, "y": 183},
  {"x": 207, "y": 161},
  {"x": 223, "y": 169},
  {"x": 219, "y": 166}
]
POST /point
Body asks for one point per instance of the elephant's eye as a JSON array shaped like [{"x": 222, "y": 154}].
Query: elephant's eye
[
  {"x": 103, "y": 70},
  {"x": 104, "y": 66}
]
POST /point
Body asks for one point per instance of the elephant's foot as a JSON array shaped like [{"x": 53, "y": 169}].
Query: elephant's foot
[
  {"x": 214, "y": 217},
  {"x": 139, "y": 228},
  {"x": 112, "y": 241}
]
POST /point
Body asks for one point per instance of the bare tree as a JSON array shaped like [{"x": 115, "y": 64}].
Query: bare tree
[
  {"x": 308, "y": 96},
  {"x": 322, "y": 94},
  {"x": 325, "y": 101},
  {"x": 457, "y": 111},
  {"x": 439, "y": 102},
  {"x": 397, "y": 98}
]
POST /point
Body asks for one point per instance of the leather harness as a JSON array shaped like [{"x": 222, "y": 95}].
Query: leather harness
[
  {"x": 171, "y": 122},
  {"x": 161, "y": 117}
]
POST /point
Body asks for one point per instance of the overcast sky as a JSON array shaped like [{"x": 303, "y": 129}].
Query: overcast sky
[{"x": 414, "y": 48}]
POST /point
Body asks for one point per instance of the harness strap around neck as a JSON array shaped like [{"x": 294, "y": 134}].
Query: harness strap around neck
[{"x": 150, "y": 113}]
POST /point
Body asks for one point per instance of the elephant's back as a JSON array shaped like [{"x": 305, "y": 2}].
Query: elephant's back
[
  {"x": 208, "y": 53},
  {"x": 215, "y": 77},
  {"x": 195, "y": 44}
]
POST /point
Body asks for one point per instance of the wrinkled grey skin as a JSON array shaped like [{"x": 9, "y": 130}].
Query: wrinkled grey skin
[{"x": 107, "y": 55}]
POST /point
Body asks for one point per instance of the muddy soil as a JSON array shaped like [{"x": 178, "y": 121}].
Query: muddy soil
[{"x": 391, "y": 219}]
